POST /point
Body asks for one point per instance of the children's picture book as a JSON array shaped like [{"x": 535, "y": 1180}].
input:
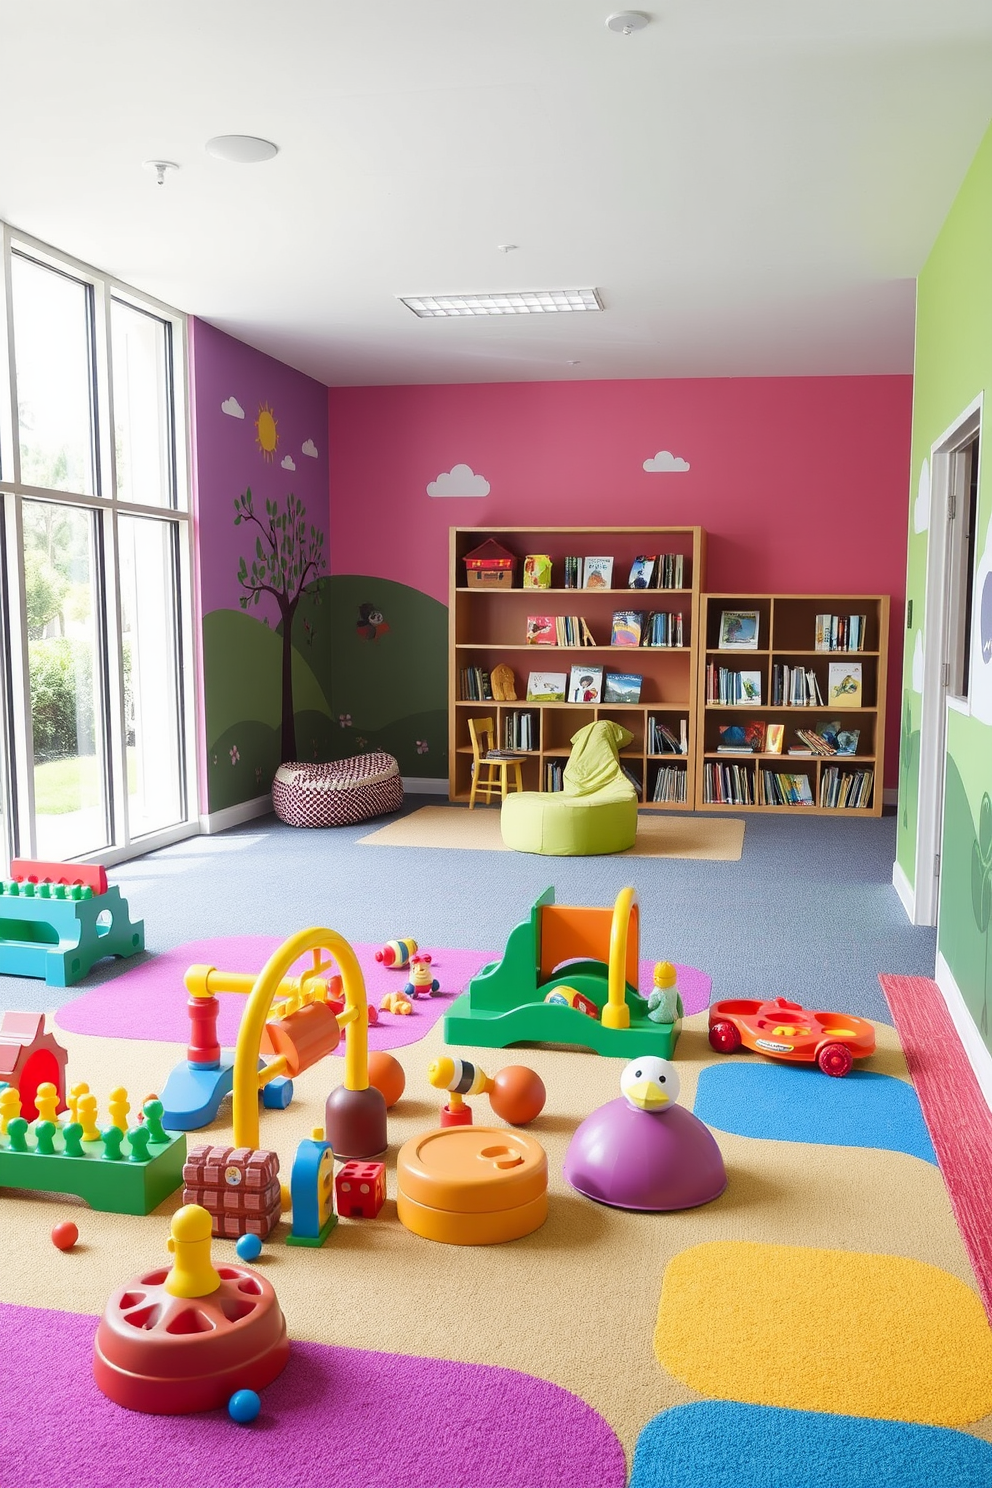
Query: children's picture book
[
  {"x": 628, "y": 626},
  {"x": 742, "y": 738},
  {"x": 830, "y": 731},
  {"x": 542, "y": 630},
  {"x": 537, "y": 571},
  {"x": 774, "y": 738},
  {"x": 597, "y": 573},
  {"x": 847, "y": 741},
  {"x": 585, "y": 685},
  {"x": 739, "y": 630},
  {"x": 546, "y": 687},
  {"x": 844, "y": 683},
  {"x": 750, "y": 687},
  {"x": 641, "y": 573},
  {"x": 622, "y": 687}
]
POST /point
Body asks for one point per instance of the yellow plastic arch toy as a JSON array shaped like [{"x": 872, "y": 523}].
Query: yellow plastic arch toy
[{"x": 616, "y": 1013}]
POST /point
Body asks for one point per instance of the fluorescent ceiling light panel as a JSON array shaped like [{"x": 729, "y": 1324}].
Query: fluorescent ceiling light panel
[{"x": 515, "y": 302}]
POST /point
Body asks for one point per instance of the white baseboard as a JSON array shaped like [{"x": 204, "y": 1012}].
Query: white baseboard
[
  {"x": 905, "y": 890},
  {"x": 978, "y": 1055},
  {"x": 423, "y": 785},
  {"x": 233, "y": 816},
  {"x": 890, "y": 796}
]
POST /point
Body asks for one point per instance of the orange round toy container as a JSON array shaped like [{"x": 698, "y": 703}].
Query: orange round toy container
[{"x": 472, "y": 1185}]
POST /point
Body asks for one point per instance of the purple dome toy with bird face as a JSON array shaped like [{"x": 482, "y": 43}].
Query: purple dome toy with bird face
[{"x": 643, "y": 1151}]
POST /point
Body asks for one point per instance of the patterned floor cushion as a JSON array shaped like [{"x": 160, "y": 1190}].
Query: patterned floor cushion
[{"x": 338, "y": 793}]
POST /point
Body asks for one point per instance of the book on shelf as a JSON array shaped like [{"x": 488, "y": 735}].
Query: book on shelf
[
  {"x": 840, "y": 632},
  {"x": 597, "y": 573},
  {"x": 726, "y": 784},
  {"x": 846, "y": 789},
  {"x": 776, "y": 788},
  {"x": 774, "y": 738},
  {"x": 628, "y": 626},
  {"x": 664, "y": 628},
  {"x": 844, "y": 683},
  {"x": 670, "y": 784},
  {"x": 632, "y": 776},
  {"x": 537, "y": 571},
  {"x": 739, "y": 630},
  {"x": 622, "y": 687},
  {"x": 818, "y": 743},
  {"x": 847, "y": 741},
  {"x": 670, "y": 571},
  {"x": 585, "y": 685},
  {"x": 642, "y": 572},
  {"x": 741, "y": 738},
  {"x": 542, "y": 630},
  {"x": 474, "y": 685},
  {"x": 795, "y": 687},
  {"x": 520, "y": 731},
  {"x": 554, "y": 772},
  {"x": 661, "y": 739},
  {"x": 546, "y": 687},
  {"x": 504, "y": 754},
  {"x": 571, "y": 571},
  {"x": 726, "y": 686}
]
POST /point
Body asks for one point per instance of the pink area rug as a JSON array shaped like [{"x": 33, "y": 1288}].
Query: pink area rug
[
  {"x": 149, "y": 1001},
  {"x": 956, "y": 1113},
  {"x": 343, "y": 1416}
]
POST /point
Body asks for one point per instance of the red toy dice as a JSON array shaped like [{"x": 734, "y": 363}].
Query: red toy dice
[{"x": 361, "y": 1189}]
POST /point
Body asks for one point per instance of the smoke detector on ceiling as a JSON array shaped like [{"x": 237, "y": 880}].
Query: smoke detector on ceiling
[
  {"x": 626, "y": 22},
  {"x": 160, "y": 167}
]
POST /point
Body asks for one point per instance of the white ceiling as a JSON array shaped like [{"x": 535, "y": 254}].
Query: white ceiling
[{"x": 752, "y": 185}]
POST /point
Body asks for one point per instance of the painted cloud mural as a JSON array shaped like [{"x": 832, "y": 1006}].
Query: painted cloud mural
[
  {"x": 460, "y": 480},
  {"x": 665, "y": 463},
  {"x": 232, "y": 408}
]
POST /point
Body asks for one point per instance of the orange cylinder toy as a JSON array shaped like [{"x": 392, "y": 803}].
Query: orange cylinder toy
[{"x": 303, "y": 1037}]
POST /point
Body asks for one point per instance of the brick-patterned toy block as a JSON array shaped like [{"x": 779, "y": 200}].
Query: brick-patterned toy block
[
  {"x": 361, "y": 1189},
  {"x": 239, "y": 1186}
]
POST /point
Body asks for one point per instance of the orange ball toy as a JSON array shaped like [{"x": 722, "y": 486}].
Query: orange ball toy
[
  {"x": 518, "y": 1094},
  {"x": 387, "y": 1075}
]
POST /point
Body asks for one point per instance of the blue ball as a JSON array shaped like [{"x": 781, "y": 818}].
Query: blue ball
[
  {"x": 249, "y": 1248},
  {"x": 244, "y": 1405}
]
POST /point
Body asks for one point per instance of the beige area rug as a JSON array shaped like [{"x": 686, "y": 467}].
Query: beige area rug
[{"x": 719, "y": 838}]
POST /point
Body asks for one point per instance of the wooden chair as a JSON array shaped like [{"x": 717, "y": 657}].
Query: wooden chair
[{"x": 490, "y": 777}]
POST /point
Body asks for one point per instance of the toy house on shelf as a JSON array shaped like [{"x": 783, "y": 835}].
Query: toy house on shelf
[{"x": 490, "y": 566}]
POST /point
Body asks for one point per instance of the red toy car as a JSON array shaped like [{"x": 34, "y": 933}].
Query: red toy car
[{"x": 784, "y": 1030}]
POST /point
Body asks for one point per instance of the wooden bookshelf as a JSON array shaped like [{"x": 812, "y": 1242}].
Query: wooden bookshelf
[
  {"x": 488, "y": 627},
  {"x": 786, "y": 637}
]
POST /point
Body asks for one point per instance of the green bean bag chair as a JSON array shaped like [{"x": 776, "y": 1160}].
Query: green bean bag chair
[{"x": 596, "y": 812}]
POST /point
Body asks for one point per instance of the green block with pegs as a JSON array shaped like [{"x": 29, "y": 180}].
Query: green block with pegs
[{"x": 121, "y": 1174}]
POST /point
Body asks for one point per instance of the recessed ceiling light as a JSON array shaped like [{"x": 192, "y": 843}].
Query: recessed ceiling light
[
  {"x": 627, "y": 21},
  {"x": 515, "y": 302},
  {"x": 242, "y": 149}
]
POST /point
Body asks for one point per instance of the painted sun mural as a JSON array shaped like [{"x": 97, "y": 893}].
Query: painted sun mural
[{"x": 266, "y": 432}]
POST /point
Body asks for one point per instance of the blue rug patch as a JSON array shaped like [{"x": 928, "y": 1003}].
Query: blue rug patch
[
  {"x": 798, "y": 1103},
  {"x": 721, "y": 1444}
]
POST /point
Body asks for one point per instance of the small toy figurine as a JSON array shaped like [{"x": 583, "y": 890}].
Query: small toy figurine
[
  {"x": 663, "y": 1003},
  {"x": 397, "y": 952},
  {"x": 422, "y": 983},
  {"x": 395, "y": 1002}
]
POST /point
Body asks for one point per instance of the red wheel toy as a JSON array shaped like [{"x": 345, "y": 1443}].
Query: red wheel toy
[
  {"x": 725, "y": 1037},
  {"x": 835, "y": 1059}
]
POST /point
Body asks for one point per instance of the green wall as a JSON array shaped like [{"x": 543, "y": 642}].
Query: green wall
[{"x": 954, "y": 367}]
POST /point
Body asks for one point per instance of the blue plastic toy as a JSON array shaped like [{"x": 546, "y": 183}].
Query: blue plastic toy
[
  {"x": 248, "y": 1248},
  {"x": 244, "y": 1406},
  {"x": 311, "y": 1188}
]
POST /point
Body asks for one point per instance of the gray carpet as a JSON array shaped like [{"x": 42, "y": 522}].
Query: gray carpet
[{"x": 809, "y": 912}]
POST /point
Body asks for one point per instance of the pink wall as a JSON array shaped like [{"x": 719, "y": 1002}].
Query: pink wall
[{"x": 800, "y": 483}]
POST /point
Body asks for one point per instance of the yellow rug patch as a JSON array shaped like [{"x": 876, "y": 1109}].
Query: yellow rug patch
[{"x": 825, "y": 1330}]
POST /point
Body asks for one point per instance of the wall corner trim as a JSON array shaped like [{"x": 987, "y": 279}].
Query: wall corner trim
[
  {"x": 971, "y": 1040},
  {"x": 423, "y": 785},
  {"x": 905, "y": 890},
  {"x": 233, "y": 816}
]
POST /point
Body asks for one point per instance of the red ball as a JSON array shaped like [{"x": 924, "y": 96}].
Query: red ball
[
  {"x": 518, "y": 1094},
  {"x": 65, "y": 1235},
  {"x": 387, "y": 1075}
]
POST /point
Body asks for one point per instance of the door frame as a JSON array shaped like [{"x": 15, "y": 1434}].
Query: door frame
[{"x": 946, "y": 468}]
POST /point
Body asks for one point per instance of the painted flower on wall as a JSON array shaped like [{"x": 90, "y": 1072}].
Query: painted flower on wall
[
  {"x": 422, "y": 746},
  {"x": 235, "y": 756},
  {"x": 344, "y": 719}
]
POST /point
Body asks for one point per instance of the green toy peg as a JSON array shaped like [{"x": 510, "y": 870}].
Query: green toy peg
[
  {"x": 17, "y": 1130},
  {"x": 44, "y": 1135},
  {"x": 137, "y": 1139},
  {"x": 73, "y": 1137},
  {"x": 153, "y": 1122},
  {"x": 112, "y": 1139}
]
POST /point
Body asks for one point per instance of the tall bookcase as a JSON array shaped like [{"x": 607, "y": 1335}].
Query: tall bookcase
[
  {"x": 488, "y": 627},
  {"x": 787, "y": 638}
]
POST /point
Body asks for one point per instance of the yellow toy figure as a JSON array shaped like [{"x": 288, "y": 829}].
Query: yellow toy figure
[
  {"x": 192, "y": 1273},
  {"x": 10, "y": 1107},
  {"x": 663, "y": 1004},
  {"x": 422, "y": 982},
  {"x": 47, "y": 1102},
  {"x": 118, "y": 1107}
]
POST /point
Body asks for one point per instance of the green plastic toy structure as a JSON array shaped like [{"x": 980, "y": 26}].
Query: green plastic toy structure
[
  {"x": 505, "y": 1003},
  {"x": 121, "y": 1173}
]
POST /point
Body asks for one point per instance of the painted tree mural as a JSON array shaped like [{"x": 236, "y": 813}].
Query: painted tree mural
[{"x": 289, "y": 557}]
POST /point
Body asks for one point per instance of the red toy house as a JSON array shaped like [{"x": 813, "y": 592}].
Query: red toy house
[{"x": 361, "y": 1189}]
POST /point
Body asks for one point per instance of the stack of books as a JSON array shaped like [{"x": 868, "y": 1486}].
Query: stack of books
[
  {"x": 553, "y": 772},
  {"x": 814, "y": 743},
  {"x": 661, "y": 739},
  {"x": 474, "y": 685},
  {"x": 663, "y": 628},
  {"x": 727, "y": 687},
  {"x": 558, "y": 630},
  {"x": 728, "y": 785},
  {"x": 840, "y": 632},
  {"x": 519, "y": 731},
  {"x": 657, "y": 571},
  {"x": 670, "y": 784},
  {"x": 777, "y": 789}
]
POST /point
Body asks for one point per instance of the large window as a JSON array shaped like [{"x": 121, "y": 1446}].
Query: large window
[{"x": 95, "y": 703}]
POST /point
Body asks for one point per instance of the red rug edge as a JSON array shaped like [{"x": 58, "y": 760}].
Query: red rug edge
[{"x": 955, "y": 1110}]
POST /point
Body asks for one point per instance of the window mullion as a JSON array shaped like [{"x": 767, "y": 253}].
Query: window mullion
[{"x": 22, "y": 734}]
